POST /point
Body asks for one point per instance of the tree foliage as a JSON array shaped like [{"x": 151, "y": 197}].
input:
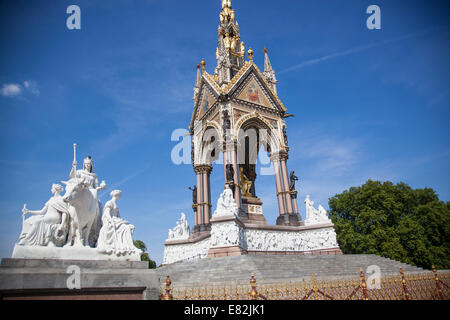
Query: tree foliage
[
  {"x": 144, "y": 257},
  {"x": 394, "y": 221}
]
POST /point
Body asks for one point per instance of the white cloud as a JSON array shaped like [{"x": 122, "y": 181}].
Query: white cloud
[
  {"x": 32, "y": 87},
  {"x": 15, "y": 89},
  {"x": 11, "y": 90}
]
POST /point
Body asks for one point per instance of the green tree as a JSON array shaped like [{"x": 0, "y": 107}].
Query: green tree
[
  {"x": 144, "y": 257},
  {"x": 394, "y": 221}
]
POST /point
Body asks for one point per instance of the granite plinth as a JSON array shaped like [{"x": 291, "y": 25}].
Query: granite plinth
[
  {"x": 69, "y": 253},
  {"x": 99, "y": 279}
]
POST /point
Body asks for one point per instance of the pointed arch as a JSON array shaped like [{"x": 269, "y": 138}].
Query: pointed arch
[
  {"x": 270, "y": 137},
  {"x": 209, "y": 144}
]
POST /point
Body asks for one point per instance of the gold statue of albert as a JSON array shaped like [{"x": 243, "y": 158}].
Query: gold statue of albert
[{"x": 246, "y": 184}]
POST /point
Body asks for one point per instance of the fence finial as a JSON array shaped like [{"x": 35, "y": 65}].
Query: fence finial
[
  {"x": 363, "y": 285},
  {"x": 436, "y": 280},
  {"x": 405, "y": 288},
  {"x": 167, "y": 295},
  {"x": 253, "y": 293},
  {"x": 313, "y": 279}
]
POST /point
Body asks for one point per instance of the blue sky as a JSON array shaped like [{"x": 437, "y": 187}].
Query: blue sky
[{"x": 368, "y": 104}]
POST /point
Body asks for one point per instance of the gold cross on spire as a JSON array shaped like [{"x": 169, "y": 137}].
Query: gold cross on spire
[{"x": 226, "y": 4}]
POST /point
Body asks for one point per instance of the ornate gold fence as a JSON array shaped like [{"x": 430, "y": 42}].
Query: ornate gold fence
[{"x": 414, "y": 286}]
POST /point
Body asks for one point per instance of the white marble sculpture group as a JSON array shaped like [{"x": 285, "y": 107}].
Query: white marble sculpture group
[
  {"x": 226, "y": 230},
  {"x": 74, "y": 226},
  {"x": 226, "y": 204},
  {"x": 313, "y": 215},
  {"x": 181, "y": 230}
]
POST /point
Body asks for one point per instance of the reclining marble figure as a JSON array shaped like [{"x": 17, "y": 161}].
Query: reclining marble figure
[{"x": 47, "y": 227}]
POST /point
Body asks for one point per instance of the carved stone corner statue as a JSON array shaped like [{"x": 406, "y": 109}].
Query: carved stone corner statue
[
  {"x": 116, "y": 233},
  {"x": 181, "y": 231},
  {"x": 226, "y": 205},
  {"x": 48, "y": 226},
  {"x": 313, "y": 215}
]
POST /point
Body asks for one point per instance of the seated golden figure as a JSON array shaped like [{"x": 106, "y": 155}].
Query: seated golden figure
[{"x": 246, "y": 184}]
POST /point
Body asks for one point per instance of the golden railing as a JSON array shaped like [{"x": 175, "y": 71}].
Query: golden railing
[{"x": 414, "y": 286}]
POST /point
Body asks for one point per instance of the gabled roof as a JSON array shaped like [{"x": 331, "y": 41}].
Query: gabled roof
[
  {"x": 248, "y": 68},
  {"x": 233, "y": 85},
  {"x": 206, "y": 81}
]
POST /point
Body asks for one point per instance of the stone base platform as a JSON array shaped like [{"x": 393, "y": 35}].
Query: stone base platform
[
  {"x": 232, "y": 236},
  {"x": 251, "y": 211},
  {"x": 277, "y": 268},
  {"x": 226, "y": 252},
  {"x": 44, "y": 279},
  {"x": 293, "y": 219},
  {"x": 80, "y": 253}
]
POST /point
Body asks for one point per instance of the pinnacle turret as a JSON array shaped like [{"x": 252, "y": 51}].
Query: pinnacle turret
[
  {"x": 269, "y": 73},
  {"x": 197, "y": 82}
]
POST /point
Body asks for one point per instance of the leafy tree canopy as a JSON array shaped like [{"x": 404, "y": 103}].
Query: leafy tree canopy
[
  {"x": 144, "y": 257},
  {"x": 394, "y": 221}
]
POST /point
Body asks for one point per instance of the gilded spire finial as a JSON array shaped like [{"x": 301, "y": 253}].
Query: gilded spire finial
[
  {"x": 203, "y": 63},
  {"x": 226, "y": 4},
  {"x": 250, "y": 54},
  {"x": 265, "y": 50}
]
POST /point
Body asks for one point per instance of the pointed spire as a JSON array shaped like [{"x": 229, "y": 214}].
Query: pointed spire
[
  {"x": 230, "y": 53},
  {"x": 267, "y": 65},
  {"x": 269, "y": 73},
  {"x": 199, "y": 77},
  {"x": 197, "y": 83}
]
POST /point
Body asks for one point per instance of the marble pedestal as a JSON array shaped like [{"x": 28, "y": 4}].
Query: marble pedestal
[
  {"x": 69, "y": 253},
  {"x": 252, "y": 211},
  {"x": 43, "y": 279},
  {"x": 292, "y": 219}
]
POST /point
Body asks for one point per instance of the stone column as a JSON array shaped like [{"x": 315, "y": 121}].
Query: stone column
[
  {"x": 199, "y": 207},
  {"x": 294, "y": 201},
  {"x": 237, "y": 188},
  {"x": 276, "y": 167},
  {"x": 225, "y": 157},
  {"x": 285, "y": 178},
  {"x": 206, "y": 195},
  {"x": 290, "y": 217}
]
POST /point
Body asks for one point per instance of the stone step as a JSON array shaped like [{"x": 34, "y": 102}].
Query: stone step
[
  {"x": 278, "y": 267},
  {"x": 63, "y": 264}
]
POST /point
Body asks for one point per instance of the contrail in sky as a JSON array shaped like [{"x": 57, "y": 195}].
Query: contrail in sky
[
  {"x": 353, "y": 50},
  {"x": 121, "y": 182}
]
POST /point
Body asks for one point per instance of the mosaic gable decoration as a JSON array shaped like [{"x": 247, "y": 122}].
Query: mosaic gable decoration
[
  {"x": 206, "y": 102},
  {"x": 253, "y": 93}
]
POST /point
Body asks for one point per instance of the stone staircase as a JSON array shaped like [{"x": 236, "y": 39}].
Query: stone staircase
[{"x": 277, "y": 267}]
